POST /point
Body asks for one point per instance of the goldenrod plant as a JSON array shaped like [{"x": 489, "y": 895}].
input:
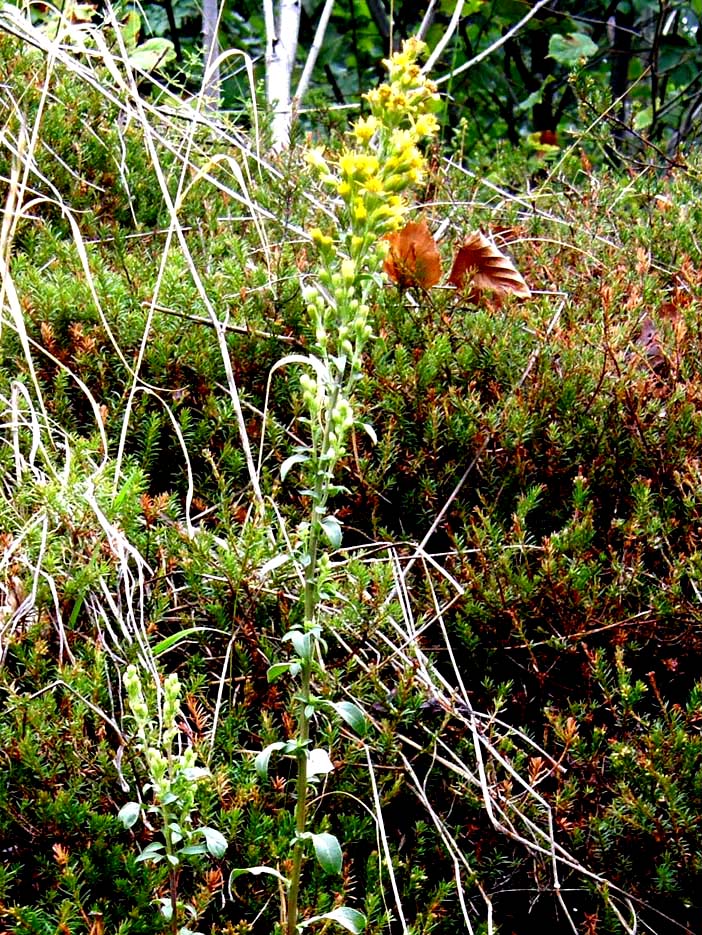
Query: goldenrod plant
[
  {"x": 371, "y": 180},
  {"x": 170, "y": 793}
]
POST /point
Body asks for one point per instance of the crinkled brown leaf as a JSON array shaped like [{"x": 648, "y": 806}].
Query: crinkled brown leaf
[
  {"x": 480, "y": 264},
  {"x": 413, "y": 259}
]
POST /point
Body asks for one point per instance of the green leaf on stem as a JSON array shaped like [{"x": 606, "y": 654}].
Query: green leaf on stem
[
  {"x": 352, "y": 715},
  {"x": 332, "y": 530},
  {"x": 263, "y": 758},
  {"x": 350, "y": 919},
  {"x": 152, "y": 852},
  {"x": 327, "y": 850},
  {"x": 291, "y": 462},
  {"x": 280, "y": 668},
  {"x": 129, "y": 814},
  {"x": 318, "y": 763},
  {"x": 215, "y": 841},
  {"x": 302, "y": 643},
  {"x": 257, "y": 871},
  {"x": 192, "y": 849}
]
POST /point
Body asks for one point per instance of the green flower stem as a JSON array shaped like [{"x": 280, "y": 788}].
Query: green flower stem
[
  {"x": 320, "y": 496},
  {"x": 381, "y": 161},
  {"x": 172, "y": 869}
]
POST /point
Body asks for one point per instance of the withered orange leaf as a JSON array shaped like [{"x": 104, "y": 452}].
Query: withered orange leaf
[
  {"x": 413, "y": 259},
  {"x": 485, "y": 267}
]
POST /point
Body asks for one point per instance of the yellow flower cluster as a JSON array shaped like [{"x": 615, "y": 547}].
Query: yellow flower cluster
[
  {"x": 384, "y": 158},
  {"x": 380, "y": 162}
]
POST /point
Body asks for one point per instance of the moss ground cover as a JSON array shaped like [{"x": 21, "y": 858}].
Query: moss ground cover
[{"x": 529, "y": 674}]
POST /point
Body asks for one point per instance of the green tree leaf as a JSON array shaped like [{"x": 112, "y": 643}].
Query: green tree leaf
[
  {"x": 571, "y": 50},
  {"x": 152, "y": 54}
]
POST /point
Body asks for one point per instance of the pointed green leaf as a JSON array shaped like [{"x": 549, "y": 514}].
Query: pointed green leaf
[
  {"x": 263, "y": 758},
  {"x": 350, "y": 919},
  {"x": 170, "y": 641},
  {"x": 319, "y": 763},
  {"x": 129, "y": 814},
  {"x": 352, "y": 714},
  {"x": 327, "y": 851},
  {"x": 332, "y": 530},
  {"x": 278, "y": 669},
  {"x": 215, "y": 841},
  {"x": 151, "y": 852},
  {"x": 257, "y": 871},
  {"x": 291, "y": 462}
]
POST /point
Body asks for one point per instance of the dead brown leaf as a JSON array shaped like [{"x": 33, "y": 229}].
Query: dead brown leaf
[
  {"x": 414, "y": 258},
  {"x": 481, "y": 265}
]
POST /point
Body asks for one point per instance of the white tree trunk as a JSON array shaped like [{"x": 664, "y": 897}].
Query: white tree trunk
[
  {"x": 281, "y": 48},
  {"x": 210, "y": 28}
]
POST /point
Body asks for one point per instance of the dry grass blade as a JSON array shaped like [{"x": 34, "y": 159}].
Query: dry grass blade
[{"x": 481, "y": 265}]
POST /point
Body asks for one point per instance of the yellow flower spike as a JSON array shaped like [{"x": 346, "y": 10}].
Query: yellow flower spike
[
  {"x": 426, "y": 125},
  {"x": 344, "y": 189}
]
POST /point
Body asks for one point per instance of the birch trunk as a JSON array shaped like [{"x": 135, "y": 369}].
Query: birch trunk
[
  {"x": 281, "y": 48},
  {"x": 210, "y": 28}
]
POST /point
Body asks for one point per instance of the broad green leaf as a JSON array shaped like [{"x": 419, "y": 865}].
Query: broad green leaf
[
  {"x": 129, "y": 814},
  {"x": 350, "y": 919},
  {"x": 215, "y": 841},
  {"x": 278, "y": 669},
  {"x": 154, "y": 53},
  {"x": 571, "y": 50},
  {"x": 291, "y": 462},
  {"x": 152, "y": 851},
  {"x": 318, "y": 763},
  {"x": 257, "y": 872},
  {"x": 352, "y": 714},
  {"x": 643, "y": 119},
  {"x": 130, "y": 27},
  {"x": 191, "y": 849},
  {"x": 263, "y": 758},
  {"x": 302, "y": 643},
  {"x": 327, "y": 851},
  {"x": 332, "y": 530}
]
